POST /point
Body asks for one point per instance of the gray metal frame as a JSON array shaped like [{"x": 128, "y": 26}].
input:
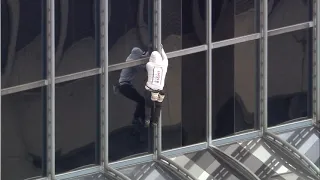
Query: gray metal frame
[
  {"x": 0, "y": 96},
  {"x": 51, "y": 80},
  {"x": 50, "y": 88},
  {"x": 316, "y": 60}
]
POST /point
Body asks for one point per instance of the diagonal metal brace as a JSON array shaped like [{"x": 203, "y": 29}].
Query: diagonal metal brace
[
  {"x": 174, "y": 166},
  {"x": 115, "y": 174},
  {"x": 233, "y": 163},
  {"x": 287, "y": 148}
]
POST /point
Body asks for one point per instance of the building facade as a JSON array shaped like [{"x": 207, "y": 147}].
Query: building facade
[{"x": 242, "y": 89}]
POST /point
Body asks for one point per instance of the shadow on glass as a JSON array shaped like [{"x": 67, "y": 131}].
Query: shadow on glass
[
  {"x": 22, "y": 134},
  {"x": 77, "y": 110},
  {"x": 289, "y": 77},
  {"x": 21, "y": 42},
  {"x": 234, "y": 88},
  {"x": 75, "y": 36}
]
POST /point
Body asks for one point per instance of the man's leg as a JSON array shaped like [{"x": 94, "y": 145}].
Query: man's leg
[{"x": 131, "y": 93}]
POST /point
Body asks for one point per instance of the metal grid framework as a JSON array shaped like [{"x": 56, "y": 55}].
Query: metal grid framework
[{"x": 109, "y": 168}]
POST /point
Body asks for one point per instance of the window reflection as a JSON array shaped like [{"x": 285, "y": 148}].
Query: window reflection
[
  {"x": 234, "y": 18},
  {"x": 128, "y": 27},
  {"x": 289, "y": 68},
  {"x": 21, "y": 42},
  {"x": 75, "y": 36},
  {"x": 288, "y": 12},
  {"x": 76, "y": 123},
  {"x": 234, "y": 88},
  {"x": 22, "y": 132}
]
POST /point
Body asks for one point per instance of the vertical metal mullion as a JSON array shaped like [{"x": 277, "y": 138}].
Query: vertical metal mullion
[
  {"x": 51, "y": 89},
  {"x": 316, "y": 62},
  {"x": 0, "y": 90},
  {"x": 104, "y": 83},
  {"x": 209, "y": 72},
  {"x": 263, "y": 100}
]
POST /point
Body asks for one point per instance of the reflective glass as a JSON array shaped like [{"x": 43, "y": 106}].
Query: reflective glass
[
  {"x": 263, "y": 160},
  {"x": 183, "y": 23},
  {"x": 22, "y": 134},
  {"x": 288, "y": 12},
  {"x": 289, "y": 76},
  {"x": 21, "y": 42},
  {"x": 234, "y": 18},
  {"x": 75, "y": 36},
  {"x": 146, "y": 171},
  {"x": 128, "y": 27},
  {"x": 204, "y": 165},
  {"x": 76, "y": 123},
  {"x": 306, "y": 140},
  {"x": 234, "y": 88}
]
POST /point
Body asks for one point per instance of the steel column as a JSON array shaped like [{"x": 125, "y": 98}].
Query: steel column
[
  {"x": 209, "y": 72},
  {"x": 50, "y": 89},
  {"x": 104, "y": 17},
  {"x": 316, "y": 62},
  {"x": 1, "y": 95},
  {"x": 263, "y": 112}
]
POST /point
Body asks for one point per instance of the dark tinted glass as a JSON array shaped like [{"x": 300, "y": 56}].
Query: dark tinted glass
[
  {"x": 289, "y": 79},
  {"x": 234, "y": 88},
  {"x": 124, "y": 140},
  {"x": 234, "y": 18},
  {"x": 183, "y": 23},
  {"x": 128, "y": 27},
  {"x": 22, "y": 132},
  {"x": 21, "y": 42},
  {"x": 189, "y": 87},
  {"x": 75, "y": 36},
  {"x": 286, "y": 13},
  {"x": 76, "y": 123}
]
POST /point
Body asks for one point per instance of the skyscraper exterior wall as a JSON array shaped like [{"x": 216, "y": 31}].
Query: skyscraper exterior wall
[{"x": 242, "y": 89}]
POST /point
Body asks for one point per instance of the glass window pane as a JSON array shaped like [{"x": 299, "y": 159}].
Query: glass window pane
[
  {"x": 286, "y": 13},
  {"x": 124, "y": 140},
  {"x": 183, "y": 24},
  {"x": 21, "y": 42},
  {"x": 75, "y": 36},
  {"x": 289, "y": 76},
  {"x": 306, "y": 140},
  {"x": 183, "y": 114},
  {"x": 234, "y": 18},
  {"x": 22, "y": 134},
  {"x": 76, "y": 123},
  {"x": 128, "y": 27},
  {"x": 234, "y": 88},
  {"x": 263, "y": 160}
]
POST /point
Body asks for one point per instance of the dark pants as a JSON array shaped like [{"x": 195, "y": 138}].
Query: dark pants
[{"x": 131, "y": 93}]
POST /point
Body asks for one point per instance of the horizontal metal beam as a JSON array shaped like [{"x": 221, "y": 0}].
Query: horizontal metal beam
[
  {"x": 24, "y": 87},
  {"x": 131, "y": 162},
  {"x": 291, "y": 28},
  {"x": 175, "y": 167},
  {"x": 290, "y": 126},
  {"x": 302, "y": 159},
  {"x": 236, "y": 138},
  {"x": 182, "y": 52},
  {"x": 236, "y": 40},
  {"x": 80, "y": 172},
  {"x": 233, "y": 163},
  {"x": 78, "y": 75},
  {"x": 183, "y": 150}
]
